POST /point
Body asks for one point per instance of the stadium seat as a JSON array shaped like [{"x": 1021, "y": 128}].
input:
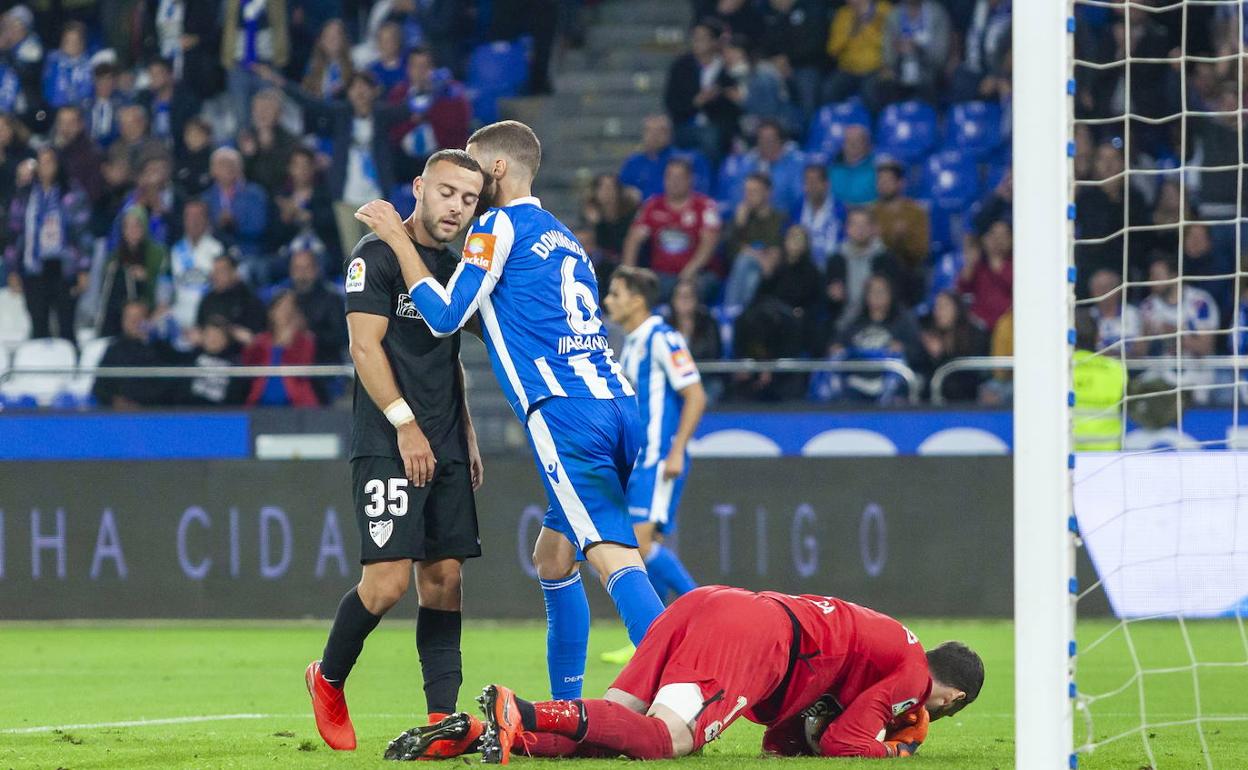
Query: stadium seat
[
  {"x": 906, "y": 131},
  {"x": 18, "y": 402},
  {"x": 974, "y": 128},
  {"x": 952, "y": 181},
  {"x": 725, "y": 317},
  {"x": 40, "y": 354},
  {"x": 89, "y": 358},
  {"x": 496, "y": 70},
  {"x": 827, "y": 128},
  {"x": 14, "y": 320},
  {"x": 731, "y": 180}
]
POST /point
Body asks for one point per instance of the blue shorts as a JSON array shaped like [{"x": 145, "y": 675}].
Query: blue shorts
[
  {"x": 585, "y": 449},
  {"x": 653, "y": 499}
]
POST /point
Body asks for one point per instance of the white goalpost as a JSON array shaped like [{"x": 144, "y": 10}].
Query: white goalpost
[
  {"x": 1151, "y": 654},
  {"x": 1043, "y": 553}
]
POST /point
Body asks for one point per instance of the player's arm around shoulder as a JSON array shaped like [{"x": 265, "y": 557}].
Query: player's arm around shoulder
[{"x": 486, "y": 249}]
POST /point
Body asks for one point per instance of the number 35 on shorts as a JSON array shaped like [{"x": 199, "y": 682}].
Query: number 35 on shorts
[{"x": 386, "y": 496}]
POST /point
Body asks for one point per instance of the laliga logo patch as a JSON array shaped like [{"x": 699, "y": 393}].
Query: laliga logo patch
[
  {"x": 479, "y": 250},
  {"x": 405, "y": 307},
  {"x": 355, "y": 275},
  {"x": 904, "y": 706},
  {"x": 380, "y": 531}
]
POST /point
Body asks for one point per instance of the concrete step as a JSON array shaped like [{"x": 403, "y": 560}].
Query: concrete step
[
  {"x": 608, "y": 57},
  {"x": 612, "y": 82},
  {"x": 588, "y": 150},
  {"x": 656, "y": 12},
  {"x": 534, "y": 113},
  {"x": 639, "y": 35},
  {"x": 632, "y": 105}
]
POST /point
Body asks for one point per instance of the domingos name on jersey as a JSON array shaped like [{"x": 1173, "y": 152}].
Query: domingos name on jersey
[
  {"x": 580, "y": 342},
  {"x": 555, "y": 239}
]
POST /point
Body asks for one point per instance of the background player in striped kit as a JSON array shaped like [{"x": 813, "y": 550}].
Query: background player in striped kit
[
  {"x": 537, "y": 295},
  {"x": 671, "y": 401}
]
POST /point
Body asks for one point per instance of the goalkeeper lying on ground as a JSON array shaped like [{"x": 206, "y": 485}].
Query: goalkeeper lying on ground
[{"x": 827, "y": 677}]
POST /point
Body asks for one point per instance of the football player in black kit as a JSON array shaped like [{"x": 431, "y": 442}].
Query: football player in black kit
[{"x": 414, "y": 458}]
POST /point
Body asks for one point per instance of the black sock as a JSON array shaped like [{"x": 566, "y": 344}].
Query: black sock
[
  {"x": 441, "y": 663},
  {"x": 528, "y": 714},
  {"x": 346, "y": 638}
]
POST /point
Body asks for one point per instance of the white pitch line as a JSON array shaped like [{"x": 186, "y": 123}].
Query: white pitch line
[
  {"x": 138, "y": 723},
  {"x": 169, "y": 721}
]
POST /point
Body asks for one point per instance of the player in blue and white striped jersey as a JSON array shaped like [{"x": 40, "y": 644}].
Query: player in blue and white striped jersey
[
  {"x": 671, "y": 401},
  {"x": 534, "y": 288}
]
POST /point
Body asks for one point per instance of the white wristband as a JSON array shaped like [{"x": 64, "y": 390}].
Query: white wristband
[{"x": 399, "y": 413}]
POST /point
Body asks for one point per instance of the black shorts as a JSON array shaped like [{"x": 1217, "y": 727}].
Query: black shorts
[{"x": 400, "y": 521}]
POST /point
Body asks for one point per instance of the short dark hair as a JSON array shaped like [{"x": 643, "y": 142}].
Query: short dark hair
[
  {"x": 682, "y": 161},
  {"x": 773, "y": 124},
  {"x": 457, "y": 157},
  {"x": 74, "y": 25},
  {"x": 713, "y": 25},
  {"x": 817, "y": 168},
  {"x": 363, "y": 75},
  {"x": 639, "y": 280},
  {"x": 513, "y": 139},
  {"x": 1171, "y": 265},
  {"x": 956, "y": 665},
  {"x": 760, "y": 177}
]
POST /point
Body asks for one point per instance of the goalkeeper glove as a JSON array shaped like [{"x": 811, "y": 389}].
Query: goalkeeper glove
[{"x": 905, "y": 734}]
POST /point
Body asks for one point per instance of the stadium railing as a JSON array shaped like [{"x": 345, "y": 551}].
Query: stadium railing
[
  {"x": 749, "y": 366},
  {"x": 992, "y": 363}
]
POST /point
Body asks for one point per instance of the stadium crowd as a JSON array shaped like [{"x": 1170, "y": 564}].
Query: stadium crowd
[
  {"x": 830, "y": 178},
  {"x": 179, "y": 176},
  {"x": 834, "y": 180}
]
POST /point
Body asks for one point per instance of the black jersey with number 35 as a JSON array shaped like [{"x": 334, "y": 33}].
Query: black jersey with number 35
[{"x": 424, "y": 365}]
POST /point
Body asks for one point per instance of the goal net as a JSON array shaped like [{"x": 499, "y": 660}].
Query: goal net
[{"x": 1159, "y": 472}]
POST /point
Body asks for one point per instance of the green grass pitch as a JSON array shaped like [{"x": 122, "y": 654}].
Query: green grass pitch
[{"x": 79, "y": 676}]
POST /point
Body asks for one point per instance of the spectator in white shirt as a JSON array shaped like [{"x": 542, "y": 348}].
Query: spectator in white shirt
[
  {"x": 818, "y": 215},
  {"x": 191, "y": 264},
  {"x": 1175, "y": 308},
  {"x": 1117, "y": 321}
]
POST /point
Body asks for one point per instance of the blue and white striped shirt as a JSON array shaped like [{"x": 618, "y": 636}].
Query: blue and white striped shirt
[
  {"x": 657, "y": 361},
  {"x": 538, "y": 297}
]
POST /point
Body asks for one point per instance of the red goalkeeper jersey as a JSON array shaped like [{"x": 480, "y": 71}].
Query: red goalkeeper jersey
[{"x": 860, "y": 666}]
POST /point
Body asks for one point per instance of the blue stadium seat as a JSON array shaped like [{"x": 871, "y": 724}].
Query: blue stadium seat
[
  {"x": 496, "y": 70},
  {"x": 944, "y": 274},
  {"x": 826, "y": 133},
  {"x": 994, "y": 175},
  {"x": 18, "y": 402},
  {"x": 951, "y": 187},
  {"x": 725, "y": 318},
  {"x": 731, "y": 179},
  {"x": 66, "y": 400},
  {"x": 974, "y": 128},
  {"x": 952, "y": 181},
  {"x": 906, "y": 131}
]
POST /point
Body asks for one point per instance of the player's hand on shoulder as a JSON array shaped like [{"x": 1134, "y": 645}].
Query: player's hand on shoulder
[
  {"x": 417, "y": 455},
  {"x": 382, "y": 218}
]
